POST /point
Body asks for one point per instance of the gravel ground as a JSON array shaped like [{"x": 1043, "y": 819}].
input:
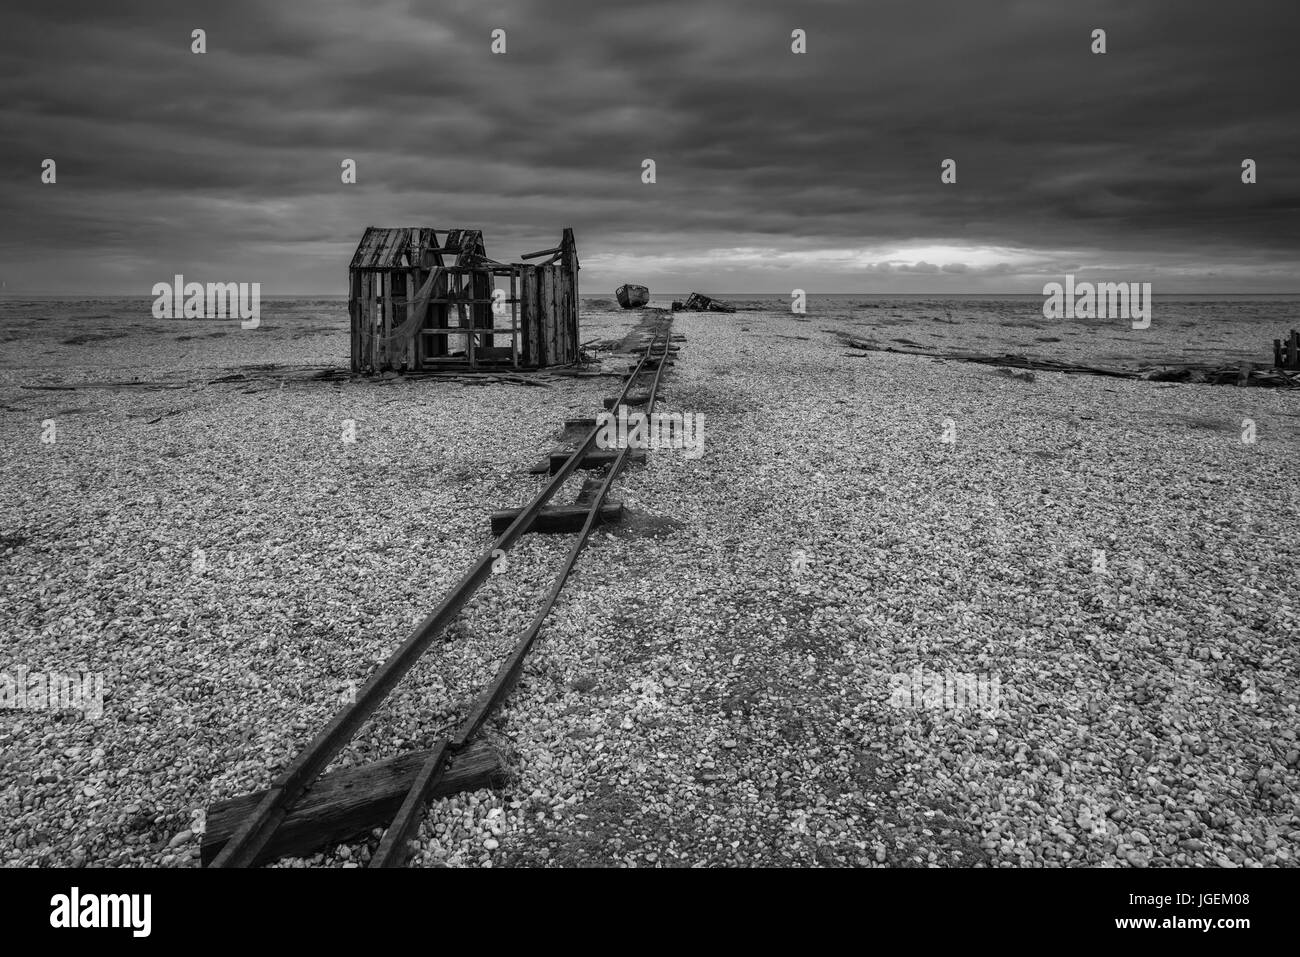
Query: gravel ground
[{"x": 720, "y": 683}]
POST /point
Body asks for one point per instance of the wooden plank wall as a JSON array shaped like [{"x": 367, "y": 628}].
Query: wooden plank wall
[
  {"x": 529, "y": 315},
  {"x": 546, "y": 312},
  {"x": 548, "y": 315},
  {"x": 377, "y": 305},
  {"x": 557, "y": 315},
  {"x": 568, "y": 307}
]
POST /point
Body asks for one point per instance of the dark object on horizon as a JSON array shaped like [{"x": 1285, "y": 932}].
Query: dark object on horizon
[
  {"x": 677, "y": 305},
  {"x": 696, "y": 302},
  {"x": 1286, "y": 354},
  {"x": 632, "y": 296},
  {"x": 421, "y": 302}
]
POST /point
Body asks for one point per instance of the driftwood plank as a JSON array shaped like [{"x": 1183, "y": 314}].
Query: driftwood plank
[{"x": 347, "y": 803}]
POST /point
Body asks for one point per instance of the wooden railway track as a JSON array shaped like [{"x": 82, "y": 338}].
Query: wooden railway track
[{"x": 254, "y": 840}]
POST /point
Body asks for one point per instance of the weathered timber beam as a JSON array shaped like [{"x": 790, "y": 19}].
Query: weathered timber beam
[
  {"x": 558, "y": 518},
  {"x": 634, "y": 398},
  {"x": 596, "y": 459},
  {"x": 543, "y": 252},
  {"x": 469, "y": 331},
  {"x": 347, "y": 803}
]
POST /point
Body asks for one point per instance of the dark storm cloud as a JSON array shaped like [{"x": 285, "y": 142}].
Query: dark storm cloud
[{"x": 824, "y": 166}]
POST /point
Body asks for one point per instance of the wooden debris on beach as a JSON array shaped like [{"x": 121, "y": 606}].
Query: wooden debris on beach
[
  {"x": 697, "y": 302},
  {"x": 1241, "y": 374},
  {"x": 485, "y": 378},
  {"x": 351, "y": 801},
  {"x": 631, "y": 296},
  {"x": 1286, "y": 354},
  {"x": 137, "y": 385}
]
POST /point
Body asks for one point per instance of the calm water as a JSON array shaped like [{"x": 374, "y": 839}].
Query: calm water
[{"x": 122, "y": 333}]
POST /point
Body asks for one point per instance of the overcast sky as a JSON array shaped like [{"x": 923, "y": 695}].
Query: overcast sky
[{"x": 775, "y": 170}]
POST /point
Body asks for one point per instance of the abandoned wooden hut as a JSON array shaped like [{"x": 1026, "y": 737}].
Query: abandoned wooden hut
[{"x": 424, "y": 301}]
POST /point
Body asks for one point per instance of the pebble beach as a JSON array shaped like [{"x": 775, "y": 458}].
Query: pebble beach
[{"x": 742, "y": 672}]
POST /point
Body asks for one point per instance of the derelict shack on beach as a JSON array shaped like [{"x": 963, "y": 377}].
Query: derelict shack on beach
[{"x": 419, "y": 302}]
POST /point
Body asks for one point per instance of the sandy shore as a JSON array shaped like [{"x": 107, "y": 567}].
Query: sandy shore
[{"x": 719, "y": 682}]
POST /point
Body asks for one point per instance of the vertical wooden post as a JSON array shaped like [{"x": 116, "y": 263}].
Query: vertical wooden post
[
  {"x": 546, "y": 313},
  {"x": 412, "y": 287},
  {"x": 381, "y": 324},
  {"x": 467, "y": 287},
  {"x": 557, "y": 317},
  {"x": 363, "y": 341},
  {"x": 1293, "y": 351},
  {"x": 377, "y": 305},
  {"x": 363, "y": 315},
  {"x": 481, "y": 287},
  {"x": 368, "y": 319},
  {"x": 570, "y": 279},
  {"x": 396, "y": 350},
  {"x": 440, "y": 312},
  {"x": 528, "y": 312},
  {"x": 353, "y": 283},
  {"x": 569, "y": 263},
  {"x": 514, "y": 319},
  {"x": 1277, "y": 353},
  {"x": 561, "y": 321},
  {"x": 571, "y": 288}
]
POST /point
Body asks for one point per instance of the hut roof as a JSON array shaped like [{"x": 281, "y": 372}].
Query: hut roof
[{"x": 384, "y": 247}]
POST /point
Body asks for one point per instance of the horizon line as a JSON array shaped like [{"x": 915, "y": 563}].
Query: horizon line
[{"x": 7, "y": 294}]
